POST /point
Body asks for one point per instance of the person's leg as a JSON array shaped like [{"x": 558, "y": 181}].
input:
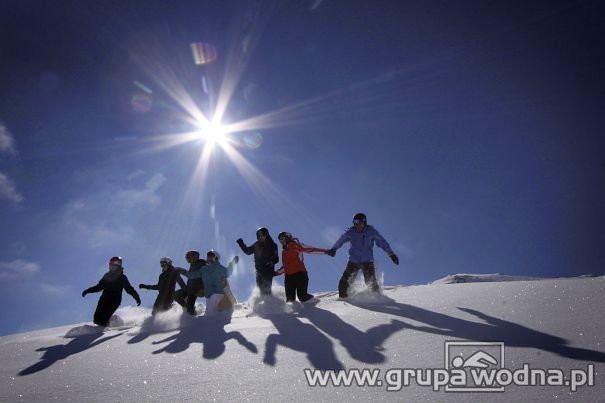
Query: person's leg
[
  {"x": 290, "y": 286},
  {"x": 212, "y": 304},
  {"x": 369, "y": 275},
  {"x": 347, "y": 278},
  {"x": 105, "y": 308},
  {"x": 179, "y": 296},
  {"x": 302, "y": 285},
  {"x": 263, "y": 282},
  {"x": 191, "y": 297}
]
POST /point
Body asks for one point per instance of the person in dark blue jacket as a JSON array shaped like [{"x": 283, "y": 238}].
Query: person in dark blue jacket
[
  {"x": 361, "y": 255},
  {"x": 112, "y": 284},
  {"x": 265, "y": 258},
  {"x": 195, "y": 287}
]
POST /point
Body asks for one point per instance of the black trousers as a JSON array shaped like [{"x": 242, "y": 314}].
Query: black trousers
[
  {"x": 264, "y": 279},
  {"x": 296, "y": 284},
  {"x": 369, "y": 275},
  {"x": 186, "y": 297},
  {"x": 105, "y": 308}
]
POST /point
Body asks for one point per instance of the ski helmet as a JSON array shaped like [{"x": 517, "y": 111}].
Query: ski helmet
[
  {"x": 166, "y": 260},
  {"x": 115, "y": 260},
  {"x": 284, "y": 235},
  {"x": 192, "y": 254},
  {"x": 214, "y": 253},
  {"x": 262, "y": 231},
  {"x": 360, "y": 217}
]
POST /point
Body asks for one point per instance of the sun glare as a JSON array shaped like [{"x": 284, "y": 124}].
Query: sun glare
[{"x": 213, "y": 133}]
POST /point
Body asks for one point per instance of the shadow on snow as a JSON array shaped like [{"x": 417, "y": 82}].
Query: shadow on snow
[
  {"x": 494, "y": 329},
  {"x": 82, "y": 338}
]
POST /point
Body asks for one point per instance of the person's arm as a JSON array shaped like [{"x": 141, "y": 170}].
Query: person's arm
[
  {"x": 311, "y": 249},
  {"x": 131, "y": 291},
  {"x": 274, "y": 255},
  {"x": 180, "y": 280},
  {"x": 231, "y": 266},
  {"x": 150, "y": 286},
  {"x": 346, "y": 237},
  {"x": 384, "y": 245},
  {"x": 95, "y": 288},
  {"x": 248, "y": 250},
  {"x": 189, "y": 274}
]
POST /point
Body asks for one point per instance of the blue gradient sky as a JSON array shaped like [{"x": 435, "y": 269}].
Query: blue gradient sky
[{"x": 470, "y": 133}]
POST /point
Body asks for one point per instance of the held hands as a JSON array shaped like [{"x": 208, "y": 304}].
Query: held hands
[
  {"x": 331, "y": 252},
  {"x": 395, "y": 259},
  {"x": 279, "y": 272},
  {"x": 143, "y": 286}
]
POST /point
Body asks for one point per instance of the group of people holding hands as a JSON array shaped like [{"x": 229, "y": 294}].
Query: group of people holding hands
[{"x": 208, "y": 278}]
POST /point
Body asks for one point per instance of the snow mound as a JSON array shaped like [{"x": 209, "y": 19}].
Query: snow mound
[{"x": 481, "y": 278}]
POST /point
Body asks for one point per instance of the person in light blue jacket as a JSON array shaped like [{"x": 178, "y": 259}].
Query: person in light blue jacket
[
  {"x": 361, "y": 255},
  {"x": 214, "y": 276}
]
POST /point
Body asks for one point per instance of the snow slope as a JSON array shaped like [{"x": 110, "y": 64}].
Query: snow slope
[{"x": 260, "y": 352}]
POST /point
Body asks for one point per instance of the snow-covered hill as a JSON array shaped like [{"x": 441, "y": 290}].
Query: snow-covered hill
[{"x": 262, "y": 351}]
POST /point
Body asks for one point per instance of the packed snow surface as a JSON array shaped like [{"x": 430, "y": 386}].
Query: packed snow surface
[{"x": 261, "y": 350}]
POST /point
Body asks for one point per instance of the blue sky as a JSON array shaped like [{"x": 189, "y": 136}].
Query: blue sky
[{"x": 470, "y": 133}]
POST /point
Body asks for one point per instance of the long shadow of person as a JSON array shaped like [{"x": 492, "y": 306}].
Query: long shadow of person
[
  {"x": 494, "y": 329},
  {"x": 210, "y": 332},
  {"x": 58, "y": 352},
  {"x": 302, "y": 337},
  {"x": 362, "y": 346}
]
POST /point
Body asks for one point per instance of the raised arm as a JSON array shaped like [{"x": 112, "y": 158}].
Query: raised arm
[{"x": 248, "y": 250}]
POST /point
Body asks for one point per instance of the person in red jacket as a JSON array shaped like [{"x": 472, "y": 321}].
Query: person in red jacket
[{"x": 293, "y": 265}]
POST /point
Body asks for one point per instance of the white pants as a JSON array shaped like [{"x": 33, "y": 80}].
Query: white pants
[{"x": 212, "y": 304}]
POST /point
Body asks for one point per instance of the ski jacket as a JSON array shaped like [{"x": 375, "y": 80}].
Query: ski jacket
[
  {"x": 362, "y": 244},
  {"x": 196, "y": 283},
  {"x": 112, "y": 284},
  {"x": 265, "y": 254},
  {"x": 292, "y": 257},
  {"x": 212, "y": 275}
]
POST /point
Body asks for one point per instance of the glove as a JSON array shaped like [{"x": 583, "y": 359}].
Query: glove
[
  {"x": 236, "y": 259},
  {"x": 138, "y": 302},
  {"x": 84, "y": 293},
  {"x": 240, "y": 241},
  {"x": 395, "y": 259},
  {"x": 331, "y": 252}
]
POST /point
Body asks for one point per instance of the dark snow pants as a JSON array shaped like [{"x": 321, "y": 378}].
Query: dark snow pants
[
  {"x": 105, "y": 308},
  {"x": 186, "y": 297},
  {"x": 297, "y": 283},
  {"x": 264, "y": 279},
  {"x": 369, "y": 275}
]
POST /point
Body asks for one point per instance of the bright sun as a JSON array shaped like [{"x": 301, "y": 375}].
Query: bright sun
[{"x": 214, "y": 133}]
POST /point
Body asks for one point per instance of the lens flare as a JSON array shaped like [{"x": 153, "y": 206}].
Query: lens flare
[{"x": 203, "y": 53}]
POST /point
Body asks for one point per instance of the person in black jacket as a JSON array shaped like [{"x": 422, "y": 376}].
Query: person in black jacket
[
  {"x": 166, "y": 284},
  {"x": 265, "y": 258},
  {"x": 195, "y": 287},
  {"x": 112, "y": 284}
]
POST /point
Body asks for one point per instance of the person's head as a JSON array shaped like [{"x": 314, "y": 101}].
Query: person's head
[
  {"x": 284, "y": 237},
  {"x": 262, "y": 234},
  {"x": 115, "y": 263},
  {"x": 165, "y": 262},
  {"x": 212, "y": 256},
  {"x": 192, "y": 256},
  {"x": 360, "y": 221}
]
